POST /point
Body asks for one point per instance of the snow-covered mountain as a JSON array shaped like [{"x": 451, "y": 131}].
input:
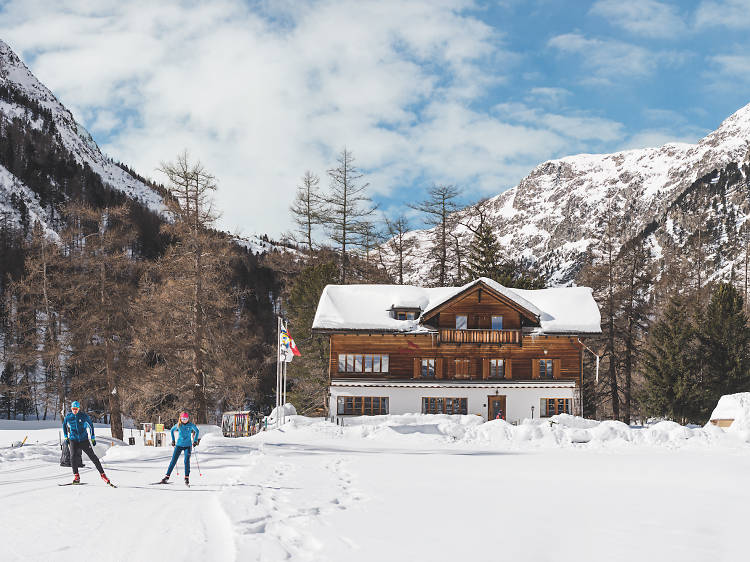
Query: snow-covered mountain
[
  {"x": 32, "y": 113},
  {"x": 556, "y": 213}
]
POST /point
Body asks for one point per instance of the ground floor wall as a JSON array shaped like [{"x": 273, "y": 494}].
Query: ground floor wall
[{"x": 486, "y": 400}]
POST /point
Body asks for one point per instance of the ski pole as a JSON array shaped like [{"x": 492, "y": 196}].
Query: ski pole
[{"x": 197, "y": 463}]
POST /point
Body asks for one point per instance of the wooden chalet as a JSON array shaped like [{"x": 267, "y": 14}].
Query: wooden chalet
[{"x": 477, "y": 349}]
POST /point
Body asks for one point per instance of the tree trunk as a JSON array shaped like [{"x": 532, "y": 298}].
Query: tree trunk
[
  {"x": 115, "y": 414},
  {"x": 614, "y": 394},
  {"x": 198, "y": 374},
  {"x": 443, "y": 243},
  {"x": 109, "y": 375}
]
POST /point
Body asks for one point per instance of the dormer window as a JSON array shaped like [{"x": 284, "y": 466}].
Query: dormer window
[{"x": 404, "y": 313}]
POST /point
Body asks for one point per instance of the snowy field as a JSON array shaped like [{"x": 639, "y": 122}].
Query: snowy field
[{"x": 404, "y": 488}]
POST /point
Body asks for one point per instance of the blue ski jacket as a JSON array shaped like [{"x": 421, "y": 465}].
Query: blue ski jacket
[
  {"x": 184, "y": 439},
  {"x": 74, "y": 426}
]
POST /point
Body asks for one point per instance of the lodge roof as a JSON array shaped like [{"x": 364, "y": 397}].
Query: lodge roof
[{"x": 563, "y": 310}]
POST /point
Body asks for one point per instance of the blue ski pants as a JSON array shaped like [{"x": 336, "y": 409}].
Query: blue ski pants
[{"x": 176, "y": 455}]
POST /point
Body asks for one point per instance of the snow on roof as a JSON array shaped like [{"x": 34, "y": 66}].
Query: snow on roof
[
  {"x": 495, "y": 286},
  {"x": 367, "y": 307},
  {"x": 565, "y": 309}
]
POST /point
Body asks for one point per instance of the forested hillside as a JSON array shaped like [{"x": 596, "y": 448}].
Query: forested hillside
[{"x": 116, "y": 291}]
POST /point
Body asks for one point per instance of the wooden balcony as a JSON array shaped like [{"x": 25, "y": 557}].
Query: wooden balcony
[{"x": 480, "y": 336}]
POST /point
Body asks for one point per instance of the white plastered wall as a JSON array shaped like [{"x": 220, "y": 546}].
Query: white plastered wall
[{"x": 519, "y": 399}]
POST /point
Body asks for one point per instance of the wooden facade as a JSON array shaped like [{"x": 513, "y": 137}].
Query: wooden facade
[{"x": 444, "y": 352}]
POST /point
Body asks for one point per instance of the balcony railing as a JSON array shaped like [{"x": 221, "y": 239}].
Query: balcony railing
[{"x": 480, "y": 336}]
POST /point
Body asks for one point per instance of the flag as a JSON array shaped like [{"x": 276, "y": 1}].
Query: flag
[
  {"x": 293, "y": 347},
  {"x": 287, "y": 347}
]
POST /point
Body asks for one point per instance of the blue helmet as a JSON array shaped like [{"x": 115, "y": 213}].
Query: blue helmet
[{"x": 75, "y": 404}]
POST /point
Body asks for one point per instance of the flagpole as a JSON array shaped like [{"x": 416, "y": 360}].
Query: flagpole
[
  {"x": 278, "y": 367},
  {"x": 284, "y": 394}
]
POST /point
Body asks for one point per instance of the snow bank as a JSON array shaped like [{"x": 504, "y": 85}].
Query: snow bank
[
  {"x": 286, "y": 410},
  {"x": 471, "y": 431},
  {"x": 734, "y": 407}
]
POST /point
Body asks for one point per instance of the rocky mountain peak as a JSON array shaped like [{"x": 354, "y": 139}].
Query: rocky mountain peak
[
  {"x": 554, "y": 216},
  {"x": 36, "y": 116}
]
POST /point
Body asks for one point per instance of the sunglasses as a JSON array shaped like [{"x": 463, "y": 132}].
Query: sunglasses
[{"x": 74, "y": 410}]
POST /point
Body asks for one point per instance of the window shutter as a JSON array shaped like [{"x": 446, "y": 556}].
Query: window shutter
[
  {"x": 542, "y": 407},
  {"x": 439, "y": 368},
  {"x": 535, "y": 368},
  {"x": 508, "y": 368},
  {"x": 556, "y": 367},
  {"x": 417, "y": 365},
  {"x": 485, "y": 368}
]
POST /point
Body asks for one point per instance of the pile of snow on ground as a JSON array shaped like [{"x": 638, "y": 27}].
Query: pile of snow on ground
[
  {"x": 558, "y": 431},
  {"x": 735, "y": 407},
  {"x": 286, "y": 410}
]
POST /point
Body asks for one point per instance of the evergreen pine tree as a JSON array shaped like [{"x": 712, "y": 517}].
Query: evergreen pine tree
[
  {"x": 668, "y": 360},
  {"x": 484, "y": 254},
  {"x": 309, "y": 373},
  {"x": 723, "y": 337}
]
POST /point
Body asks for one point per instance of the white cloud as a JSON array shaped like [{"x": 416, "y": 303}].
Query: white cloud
[
  {"x": 664, "y": 116},
  {"x": 649, "y": 138},
  {"x": 263, "y": 91},
  {"x": 259, "y": 92},
  {"x": 734, "y": 14},
  {"x": 608, "y": 59},
  {"x": 649, "y": 18},
  {"x": 726, "y": 71},
  {"x": 575, "y": 126},
  {"x": 551, "y": 96},
  {"x": 734, "y": 65}
]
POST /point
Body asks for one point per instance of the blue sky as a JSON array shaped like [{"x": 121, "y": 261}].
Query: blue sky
[{"x": 428, "y": 91}]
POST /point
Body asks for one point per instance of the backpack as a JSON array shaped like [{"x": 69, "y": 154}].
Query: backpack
[{"x": 65, "y": 455}]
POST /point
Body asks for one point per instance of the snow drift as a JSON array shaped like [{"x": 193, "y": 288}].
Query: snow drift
[
  {"x": 471, "y": 431},
  {"x": 734, "y": 407}
]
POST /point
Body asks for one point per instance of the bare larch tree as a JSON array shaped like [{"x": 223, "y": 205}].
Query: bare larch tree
[
  {"x": 346, "y": 206},
  {"x": 438, "y": 208},
  {"x": 306, "y": 207}
]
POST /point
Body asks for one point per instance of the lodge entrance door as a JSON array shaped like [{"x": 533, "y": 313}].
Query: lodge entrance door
[{"x": 496, "y": 407}]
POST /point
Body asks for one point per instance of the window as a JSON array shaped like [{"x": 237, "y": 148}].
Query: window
[
  {"x": 463, "y": 368},
  {"x": 406, "y": 315},
  {"x": 497, "y": 368},
  {"x": 444, "y": 406},
  {"x": 362, "y": 363},
  {"x": 362, "y": 405},
  {"x": 428, "y": 369},
  {"x": 461, "y": 322},
  {"x": 553, "y": 406},
  {"x": 545, "y": 368},
  {"x": 497, "y": 322}
]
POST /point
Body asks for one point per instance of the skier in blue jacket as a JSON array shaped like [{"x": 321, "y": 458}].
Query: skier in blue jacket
[
  {"x": 185, "y": 443},
  {"x": 74, "y": 429}
]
